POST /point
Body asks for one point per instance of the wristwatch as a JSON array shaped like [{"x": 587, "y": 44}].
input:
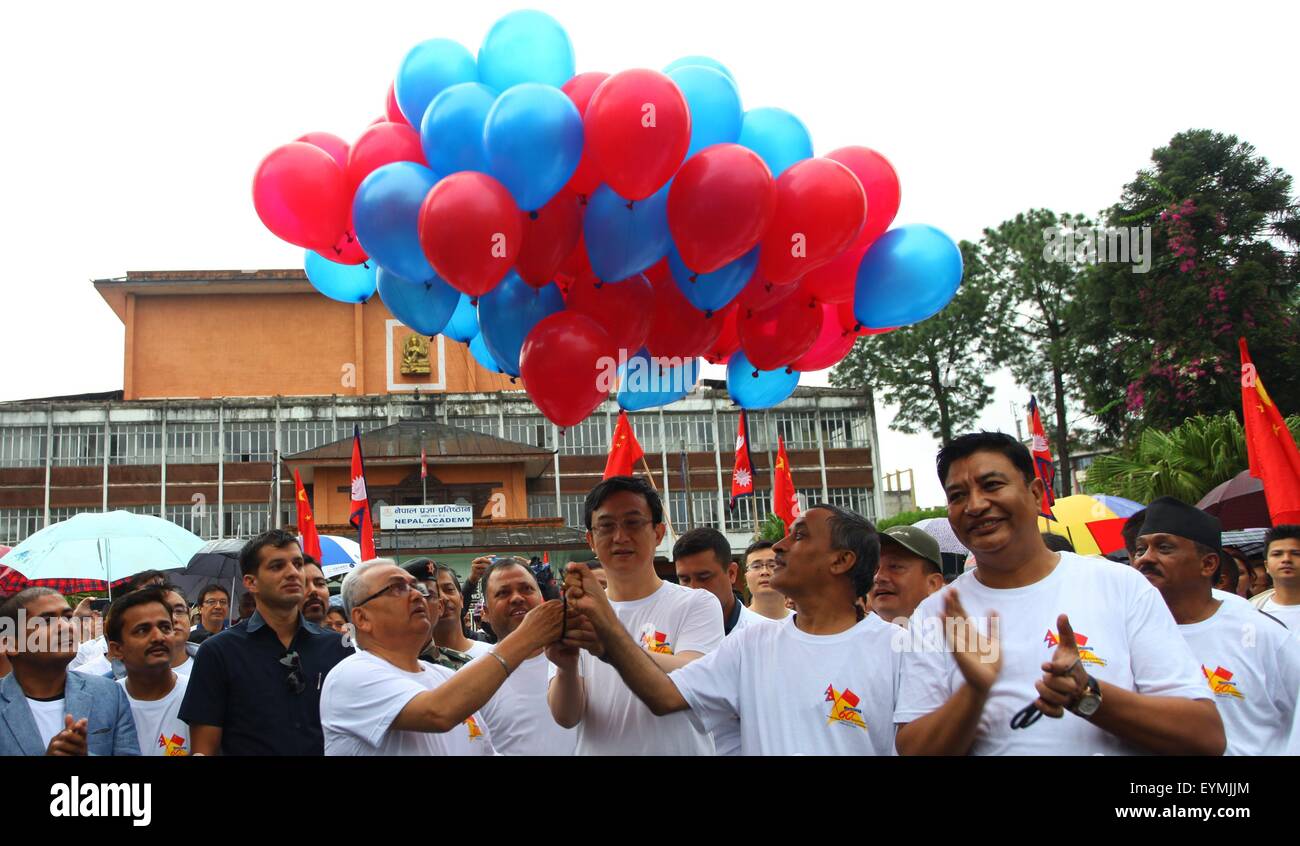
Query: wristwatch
[{"x": 1090, "y": 701}]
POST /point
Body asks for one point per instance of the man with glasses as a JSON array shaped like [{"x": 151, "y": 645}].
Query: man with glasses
[
  {"x": 673, "y": 624},
  {"x": 214, "y": 612},
  {"x": 255, "y": 689},
  {"x": 760, "y": 566},
  {"x": 384, "y": 700},
  {"x": 183, "y": 651}
]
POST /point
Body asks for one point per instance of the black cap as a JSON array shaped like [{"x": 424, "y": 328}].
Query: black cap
[
  {"x": 422, "y": 569},
  {"x": 1171, "y": 516}
]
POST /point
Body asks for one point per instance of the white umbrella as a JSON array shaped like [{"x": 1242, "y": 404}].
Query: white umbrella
[{"x": 941, "y": 530}]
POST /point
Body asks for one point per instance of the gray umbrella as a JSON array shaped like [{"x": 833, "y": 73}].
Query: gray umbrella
[{"x": 216, "y": 562}]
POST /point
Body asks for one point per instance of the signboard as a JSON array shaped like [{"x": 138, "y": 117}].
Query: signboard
[{"x": 426, "y": 517}]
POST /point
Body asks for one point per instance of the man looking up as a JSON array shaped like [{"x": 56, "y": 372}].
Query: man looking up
[
  {"x": 702, "y": 558},
  {"x": 255, "y": 688},
  {"x": 911, "y": 568},
  {"x": 44, "y": 709},
  {"x": 140, "y": 628},
  {"x": 383, "y": 700},
  {"x": 517, "y": 716},
  {"x": 316, "y": 592},
  {"x": 822, "y": 682},
  {"x": 1250, "y": 661},
  {"x": 1127, "y": 678},
  {"x": 760, "y": 563},
  {"x": 673, "y": 624},
  {"x": 1282, "y": 557}
]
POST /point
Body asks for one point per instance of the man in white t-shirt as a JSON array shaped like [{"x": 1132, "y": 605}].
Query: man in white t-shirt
[
  {"x": 140, "y": 629},
  {"x": 182, "y": 650},
  {"x": 517, "y": 717},
  {"x": 1250, "y": 661},
  {"x": 673, "y": 624},
  {"x": 760, "y": 564},
  {"x": 822, "y": 682},
  {"x": 1030, "y": 632},
  {"x": 1282, "y": 559},
  {"x": 384, "y": 700}
]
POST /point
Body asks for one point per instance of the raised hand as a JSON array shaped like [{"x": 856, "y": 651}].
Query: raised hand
[
  {"x": 586, "y": 597},
  {"x": 71, "y": 740},
  {"x": 541, "y": 626},
  {"x": 1064, "y": 678},
  {"x": 979, "y": 657}
]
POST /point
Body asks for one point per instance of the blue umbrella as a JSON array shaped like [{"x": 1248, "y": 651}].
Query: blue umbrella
[
  {"x": 338, "y": 555},
  {"x": 1118, "y": 504},
  {"x": 106, "y": 546}
]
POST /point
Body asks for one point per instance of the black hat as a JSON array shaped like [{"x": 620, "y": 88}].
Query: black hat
[
  {"x": 1171, "y": 516},
  {"x": 422, "y": 569}
]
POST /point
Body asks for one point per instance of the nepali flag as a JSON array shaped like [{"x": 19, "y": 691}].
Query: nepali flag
[
  {"x": 742, "y": 477},
  {"x": 306, "y": 522},
  {"x": 424, "y": 465},
  {"x": 360, "y": 518},
  {"x": 1043, "y": 466}
]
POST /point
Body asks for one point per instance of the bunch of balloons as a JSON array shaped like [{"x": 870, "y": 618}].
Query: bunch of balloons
[{"x": 557, "y": 222}]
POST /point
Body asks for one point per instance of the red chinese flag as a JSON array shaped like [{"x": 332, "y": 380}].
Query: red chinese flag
[
  {"x": 360, "y": 518},
  {"x": 624, "y": 451},
  {"x": 742, "y": 477},
  {"x": 1274, "y": 459},
  {"x": 424, "y": 465},
  {"x": 1043, "y": 466},
  {"x": 785, "y": 502},
  {"x": 306, "y": 523}
]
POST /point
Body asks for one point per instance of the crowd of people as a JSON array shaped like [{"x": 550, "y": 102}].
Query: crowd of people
[{"x": 853, "y": 643}]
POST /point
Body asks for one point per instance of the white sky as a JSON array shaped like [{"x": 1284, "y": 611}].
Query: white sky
[{"x": 132, "y": 130}]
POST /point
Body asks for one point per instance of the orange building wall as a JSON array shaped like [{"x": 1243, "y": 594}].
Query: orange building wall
[
  {"x": 331, "y": 506},
  {"x": 293, "y": 344}
]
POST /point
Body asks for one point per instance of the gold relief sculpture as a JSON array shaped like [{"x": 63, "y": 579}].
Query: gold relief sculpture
[{"x": 415, "y": 356}]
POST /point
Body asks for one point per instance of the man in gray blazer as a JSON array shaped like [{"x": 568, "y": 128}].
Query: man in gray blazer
[{"x": 44, "y": 709}]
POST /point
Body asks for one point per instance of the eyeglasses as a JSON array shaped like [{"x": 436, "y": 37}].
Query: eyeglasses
[
  {"x": 765, "y": 564},
  {"x": 398, "y": 589},
  {"x": 294, "y": 681},
  {"x": 216, "y": 603},
  {"x": 630, "y": 526}
]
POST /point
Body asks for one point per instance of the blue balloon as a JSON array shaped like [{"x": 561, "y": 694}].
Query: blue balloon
[
  {"x": 451, "y": 133},
  {"x": 478, "y": 349},
  {"x": 714, "y": 103},
  {"x": 427, "y": 69},
  {"x": 347, "y": 283},
  {"x": 533, "y": 140},
  {"x": 463, "y": 325},
  {"x": 526, "y": 46},
  {"x": 699, "y": 61},
  {"x": 910, "y": 273},
  {"x": 386, "y": 216},
  {"x": 622, "y": 241},
  {"x": 779, "y": 138},
  {"x": 424, "y": 306},
  {"x": 646, "y": 383},
  {"x": 752, "y": 388},
  {"x": 508, "y": 312},
  {"x": 711, "y": 291}
]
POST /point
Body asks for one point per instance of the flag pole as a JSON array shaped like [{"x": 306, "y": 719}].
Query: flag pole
[{"x": 668, "y": 520}]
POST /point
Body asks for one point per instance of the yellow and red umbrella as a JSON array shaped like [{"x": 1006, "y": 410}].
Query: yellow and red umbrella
[{"x": 1092, "y": 523}]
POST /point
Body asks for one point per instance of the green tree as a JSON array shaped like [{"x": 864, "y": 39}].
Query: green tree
[
  {"x": 1187, "y": 461},
  {"x": 1033, "y": 291},
  {"x": 935, "y": 370},
  {"x": 1160, "y": 346}
]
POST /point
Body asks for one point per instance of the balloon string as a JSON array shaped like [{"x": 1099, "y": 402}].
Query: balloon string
[
  {"x": 630, "y": 204},
  {"x": 532, "y": 215}
]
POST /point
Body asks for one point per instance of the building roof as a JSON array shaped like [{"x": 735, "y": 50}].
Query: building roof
[{"x": 401, "y": 443}]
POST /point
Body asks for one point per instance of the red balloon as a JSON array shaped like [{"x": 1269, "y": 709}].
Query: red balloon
[
  {"x": 832, "y": 344},
  {"x": 760, "y": 294},
  {"x": 880, "y": 184},
  {"x": 721, "y": 203},
  {"x": 470, "y": 231},
  {"x": 393, "y": 112},
  {"x": 835, "y": 281},
  {"x": 638, "y": 130},
  {"x": 775, "y": 337},
  {"x": 586, "y": 178},
  {"x": 677, "y": 328},
  {"x": 849, "y": 322},
  {"x": 728, "y": 340},
  {"x": 623, "y": 309},
  {"x": 381, "y": 144},
  {"x": 577, "y": 260},
  {"x": 550, "y": 234},
  {"x": 569, "y": 365},
  {"x": 330, "y": 143},
  {"x": 820, "y": 208},
  {"x": 301, "y": 196}
]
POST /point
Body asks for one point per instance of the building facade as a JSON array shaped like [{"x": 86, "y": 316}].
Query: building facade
[{"x": 233, "y": 380}]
